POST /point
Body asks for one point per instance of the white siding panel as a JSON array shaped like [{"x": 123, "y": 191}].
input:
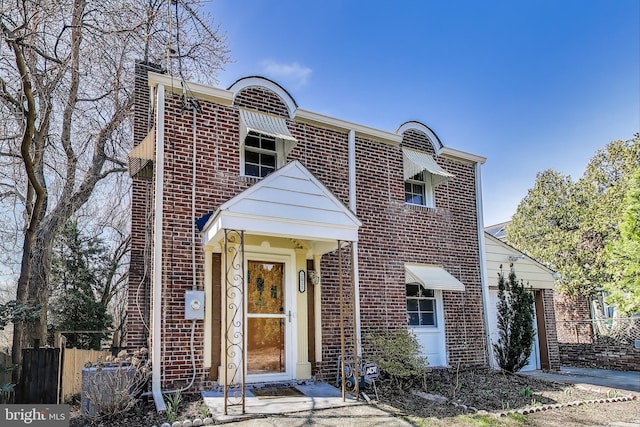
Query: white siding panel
[
  {"x": 289, "y": 198},
  {"x": 297, "y": 213}
]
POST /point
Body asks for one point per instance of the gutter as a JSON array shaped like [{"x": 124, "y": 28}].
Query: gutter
[
  {"x": 156, "y": 359},
  {"x": 483, "y": 265}
]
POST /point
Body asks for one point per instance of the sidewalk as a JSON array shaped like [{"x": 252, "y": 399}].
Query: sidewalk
[
  {"x": 320, "y": 401},
  {"x": 619, "y": 380}
]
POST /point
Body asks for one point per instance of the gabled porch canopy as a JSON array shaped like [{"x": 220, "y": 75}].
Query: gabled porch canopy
[{"x": 290, "y": 202}]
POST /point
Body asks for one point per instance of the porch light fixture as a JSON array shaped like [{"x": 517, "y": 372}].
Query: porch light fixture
[
  {"x": 314, "y": 276},
  {"x": 302, "y": 281}
]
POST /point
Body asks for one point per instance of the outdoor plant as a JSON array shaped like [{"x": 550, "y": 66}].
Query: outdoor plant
[
  {"x": 399, "y": 357},
  {"x": 117, "y": 390},
  {"x": 515, "y": 323},
  {"x": 172, "y": 402}
]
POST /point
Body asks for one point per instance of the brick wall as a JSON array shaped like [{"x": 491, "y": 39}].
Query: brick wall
[
  {"x": 571, "y": 313},
  {"x": 391, "y": 234},
  {"x": 551, "y": 330},
  {"x": 617, "y": 357}
]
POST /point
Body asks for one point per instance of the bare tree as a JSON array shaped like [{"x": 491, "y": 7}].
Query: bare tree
[{"x": 66, "y": 98}]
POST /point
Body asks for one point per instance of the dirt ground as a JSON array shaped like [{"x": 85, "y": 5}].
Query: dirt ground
[
  {"x": 499, "y": 399},
  {"x": 467, "y": 398}
]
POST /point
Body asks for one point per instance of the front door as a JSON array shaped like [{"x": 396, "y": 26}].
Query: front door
[{"x": 267, "y": 320}]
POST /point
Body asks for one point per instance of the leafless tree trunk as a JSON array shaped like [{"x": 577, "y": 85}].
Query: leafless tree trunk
[{"x": 66, "y": 98}]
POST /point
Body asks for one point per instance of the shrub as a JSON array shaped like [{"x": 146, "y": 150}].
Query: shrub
[
  {"x": 117, "y": 389},
  {"x": 515, "y": 323},
  {"x": 398, "y": 354}
]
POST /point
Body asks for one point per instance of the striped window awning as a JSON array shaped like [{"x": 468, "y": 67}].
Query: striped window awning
[
  {"x": 266, "y": 124},
  {"x": 417, "y": 161},
  {"x": 142, "y": 154}
]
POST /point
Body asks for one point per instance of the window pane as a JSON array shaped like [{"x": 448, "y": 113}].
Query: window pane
[
  {"x": 251, "y": 170},
  {"x": 268, "y": 160},
  {"x": 412, "y": 304},
  {"x": 426, "y": 305},
  {"x": 426, "y": 319},
  {"x": 428, "y": 293},
  {"x": 413, "y": 318},
  {"x": 412, "y": 290},
  {"x": 252, "y": 140},
  {"x": 251, "y": 157},
  {"x": 266, "y": 171},
  {"x": 418, "y": 177},
  {"x": 268, "y": 143},
  {"x": 416, "y": 199}
]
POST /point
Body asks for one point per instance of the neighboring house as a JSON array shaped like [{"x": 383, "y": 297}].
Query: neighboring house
[
  {"x": 311, "y": 231},
  {"x": 500, "y": 257},
  {"x": 572, "y": 313}
]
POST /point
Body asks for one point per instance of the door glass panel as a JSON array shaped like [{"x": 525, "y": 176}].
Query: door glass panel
[
  {"x": 266, "y": 319},
  {"x": 265, "y": 293},
  {"x": 265, "y": 345}
]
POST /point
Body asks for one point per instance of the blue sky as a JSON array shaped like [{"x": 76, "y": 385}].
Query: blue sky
[{"x": 529, "y": 84}]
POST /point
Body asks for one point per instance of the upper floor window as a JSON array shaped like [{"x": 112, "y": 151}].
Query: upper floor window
[
  {"x": 418, "y": 190},
  {"x": 265, "y": 142},
  {"x": 260, "y": 155},
  {"x": 421, "y": 175},
  {"x": 421, "y": 305}
]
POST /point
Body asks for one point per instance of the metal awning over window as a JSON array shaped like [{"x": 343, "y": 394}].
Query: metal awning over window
[
  {"x": 267, "y": 124},
  {"x": 142, "y": 154},
  {"x": 416, "y": 162},
  {"x": 431, "y": 277}
]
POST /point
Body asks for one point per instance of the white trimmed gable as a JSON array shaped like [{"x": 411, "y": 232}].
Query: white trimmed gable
[{"x": 290, "y": 202}]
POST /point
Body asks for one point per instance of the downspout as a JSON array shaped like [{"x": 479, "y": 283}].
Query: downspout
[
  {"x": 483, "y": 264},
  {"x": 156, "y": 389},
  {"x": 352, "y": 206},
  {"x": 156, "y": 335}
]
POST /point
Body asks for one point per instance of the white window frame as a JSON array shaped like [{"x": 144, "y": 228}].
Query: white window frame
[
  {"x": 279, "y": 152},
  {"x": 422, "y": 296},
  {"x": 428, "y": 196}
]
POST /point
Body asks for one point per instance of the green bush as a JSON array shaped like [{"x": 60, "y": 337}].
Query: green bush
[{"x": 399, "y": 357}]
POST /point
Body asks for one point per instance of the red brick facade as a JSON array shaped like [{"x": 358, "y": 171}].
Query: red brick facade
[{"x": 392, "y": 232}]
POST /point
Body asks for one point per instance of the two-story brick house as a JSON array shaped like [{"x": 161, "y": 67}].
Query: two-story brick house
[{"x": 266, "y": 236}]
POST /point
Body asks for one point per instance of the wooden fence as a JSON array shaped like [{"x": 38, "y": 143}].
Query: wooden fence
[
  {"x": 39, "y": 380},
  {"x": 5, "y": 362},
  {"x": 72, "y": 365}
]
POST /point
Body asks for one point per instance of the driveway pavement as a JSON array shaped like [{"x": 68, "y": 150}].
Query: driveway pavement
[{"x": 619, "y": 380}]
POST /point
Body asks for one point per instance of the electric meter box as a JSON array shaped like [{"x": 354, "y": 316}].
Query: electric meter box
[{"x": 194, "y": 305}]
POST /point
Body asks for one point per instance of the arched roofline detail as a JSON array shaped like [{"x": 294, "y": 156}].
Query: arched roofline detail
[
  {"x": 258, "y": 81},
  {"x": 415, "y": 125}
]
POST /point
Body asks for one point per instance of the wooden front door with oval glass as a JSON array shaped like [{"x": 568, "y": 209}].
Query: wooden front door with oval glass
[{"x": 266, "y": 318}]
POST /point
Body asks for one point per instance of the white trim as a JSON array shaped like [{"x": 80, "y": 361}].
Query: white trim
[
  {"x": 256, "y": 81},
  {"x": 306, "y": 116},
  {"x": 287, "y": 257},
  {"x": 438, "y": 147},
  {"x": 156, "y": 334},
  {"x": 353, "y": 206},
  {"x": 484, "y": 281},
  {"x": 217, "y": 95},
  {"x": 415, "y": 125}
]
